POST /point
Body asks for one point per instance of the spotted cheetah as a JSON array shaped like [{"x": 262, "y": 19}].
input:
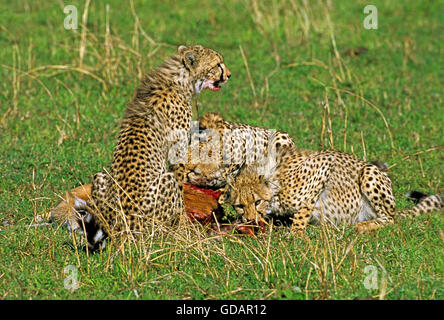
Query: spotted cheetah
[
  {"x": 139, "y": 191},
  {"x": 321, "y": 186},
  {"x": 225, "y": 147}
]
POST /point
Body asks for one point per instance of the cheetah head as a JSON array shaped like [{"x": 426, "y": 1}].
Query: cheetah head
[
  {"x": 250, "y": 195},
  {"x": 207, "y": 170},
  {"x": 206, "y": 67},
  {"x": 204, "y": 174}
]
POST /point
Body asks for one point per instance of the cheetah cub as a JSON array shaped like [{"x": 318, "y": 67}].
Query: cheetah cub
[{"x": 321, "y": 186}]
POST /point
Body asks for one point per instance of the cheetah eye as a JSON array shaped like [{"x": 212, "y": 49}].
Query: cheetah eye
[{"x": 258, "y": 202}]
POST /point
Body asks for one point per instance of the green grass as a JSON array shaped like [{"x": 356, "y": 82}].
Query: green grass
[{"x": 58, "y": 126}]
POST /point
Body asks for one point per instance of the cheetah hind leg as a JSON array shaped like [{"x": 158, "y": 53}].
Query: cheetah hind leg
[{"x": 377, "y": 191}]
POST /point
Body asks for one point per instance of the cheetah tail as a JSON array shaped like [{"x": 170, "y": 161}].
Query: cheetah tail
[{"x": 424, "y": 204}]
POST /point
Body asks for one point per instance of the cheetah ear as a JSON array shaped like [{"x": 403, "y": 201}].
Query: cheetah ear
[
  {"x": 189, "y": 56},
  {"x": 181, "y": 49}
]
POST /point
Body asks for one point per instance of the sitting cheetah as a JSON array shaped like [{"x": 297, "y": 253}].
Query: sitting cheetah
[
  {"x": 139, "y": 191},
  {"x": 321, "y": 186}
]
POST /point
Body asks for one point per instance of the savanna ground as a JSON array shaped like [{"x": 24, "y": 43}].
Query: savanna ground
[{"x": 306, "y": 67}]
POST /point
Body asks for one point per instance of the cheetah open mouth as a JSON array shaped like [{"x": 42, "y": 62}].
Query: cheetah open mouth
[
  {"x": 216, "y": 85},
  {"x": 213, "y": 86}
]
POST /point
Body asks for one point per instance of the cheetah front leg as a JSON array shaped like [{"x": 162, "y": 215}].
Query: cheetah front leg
[
  {"x": 377, "y": 189},
  {"x": 300, "y": 221},
  {"x": 301, "y": 194}
]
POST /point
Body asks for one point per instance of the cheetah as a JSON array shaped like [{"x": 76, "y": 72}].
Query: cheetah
[
  {"x": 320, "y": 187},
  {"x": 226, "y": 148},
  {"x": 139, "y": 190}
]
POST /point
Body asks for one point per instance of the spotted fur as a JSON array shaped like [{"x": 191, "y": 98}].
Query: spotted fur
[
  {"x": 246, "y": 145},
  {"x": 139, "y": 191},
  {"x": 321, "y": 187}
]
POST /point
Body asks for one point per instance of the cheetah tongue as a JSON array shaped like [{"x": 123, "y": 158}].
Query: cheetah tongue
[{"x": 214, "y": 88}]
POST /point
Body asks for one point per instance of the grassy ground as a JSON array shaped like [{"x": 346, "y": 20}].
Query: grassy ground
[{"x": 293, "y": 68}]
